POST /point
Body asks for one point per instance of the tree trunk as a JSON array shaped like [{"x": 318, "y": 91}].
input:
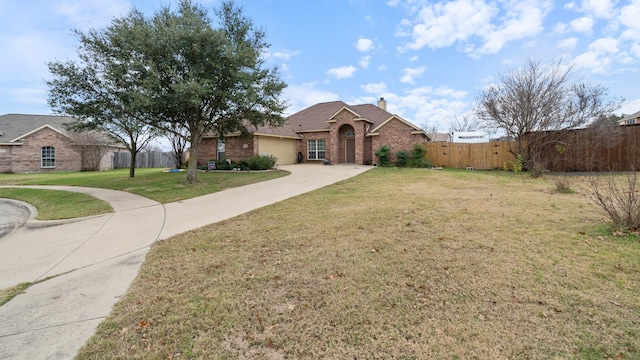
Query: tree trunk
[
  {"x": 133, "y": 150},
  {"x": 192, "y": 171},
  {"x": 132, "y": 165}
]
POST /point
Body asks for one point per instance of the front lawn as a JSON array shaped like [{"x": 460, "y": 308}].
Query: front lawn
[
  {"x": 395, "y": 263},
  {"x": 151, "y": 183}
]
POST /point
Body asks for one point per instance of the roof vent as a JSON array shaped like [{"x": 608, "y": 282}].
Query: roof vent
[{"x": 382, "y": 104}]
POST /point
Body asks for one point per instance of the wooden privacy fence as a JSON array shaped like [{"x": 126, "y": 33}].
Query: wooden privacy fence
[
  {"x": 155, "y": 159},
  {"x": 612, "y": 148},
  {"x": 483, "y": 156}
]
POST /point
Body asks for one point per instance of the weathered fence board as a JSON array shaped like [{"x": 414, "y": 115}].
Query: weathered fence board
[
  {"x": 122, "y": 160},
  {"x": 483, "y": 156}
]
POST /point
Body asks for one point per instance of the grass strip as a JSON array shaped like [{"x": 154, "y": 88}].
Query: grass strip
[{"x": 56, "y": 204}]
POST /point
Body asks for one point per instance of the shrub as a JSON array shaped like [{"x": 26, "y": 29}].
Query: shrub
[
  {"x": 402, "y": 158},
  {"x": 416, "y": 159},
  {"x": 260, "y": 162},
  {"x": 383, "y": 156},
  {"x": 618, "y": 198},
  {"x": 224, "y": 164}
]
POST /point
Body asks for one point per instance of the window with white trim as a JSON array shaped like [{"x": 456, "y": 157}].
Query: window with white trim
[
  {"x": 316, "y": 149},
  {"x": 221, "y": 149},
  {"x": 48, "y": 157}
]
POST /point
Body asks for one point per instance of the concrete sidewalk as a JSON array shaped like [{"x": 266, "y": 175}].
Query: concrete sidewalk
[{"x": 94, "y": 260}]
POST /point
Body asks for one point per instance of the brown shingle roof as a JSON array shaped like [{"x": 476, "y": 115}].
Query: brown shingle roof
[
  {"x": 13, "y": 126},
  {"x": 315, "y": 117}
]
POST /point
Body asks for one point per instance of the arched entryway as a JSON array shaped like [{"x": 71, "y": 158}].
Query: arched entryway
[{"x": 347, "y": 141}]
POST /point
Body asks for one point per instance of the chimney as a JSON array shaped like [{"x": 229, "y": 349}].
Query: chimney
[{"x": 382, "y": 104}]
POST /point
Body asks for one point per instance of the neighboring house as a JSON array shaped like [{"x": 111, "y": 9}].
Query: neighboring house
[
  {"x": 441, "y": 137},
  {"x": 33, "y": 143},
  {"x": 630, "y": 120},
  {"x": 333, "y": 131},
  {"x": 469, "y": 137}
]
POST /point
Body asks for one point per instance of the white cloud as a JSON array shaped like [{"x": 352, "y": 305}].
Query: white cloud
[
  {"x": 629, "y": 107},
  {"x": 598, "y": 8},
  {"x": 364, "y": 61},
  {"x": 444, "y": 23},
  {"x": 599, "y": 56},
  {"x": 593, "y": 61},
  {"x": 284, "y": 55},
  {"x": 629, "y": 17},
  {"x": 604, "y": 45},
  {"x": 582, "y": 25},
  {"x": 26, "y": 99},
  {"x": 342, "y": 72},
  {"x": 523, "y": 20},
  {"x": 414, "y": 58},
  {"x": 568, "y": 43},
  {"x": 364, "y": 45},
  {"x": 91, "y": 14},
  {"x": 635, "y": 49},
  {"x": 374, "y": 88},
  {"x": 448, "y": 92},
  {"x": 408, "y": 74},
  {"x": 425, "y": 105},
  {"x": 301, "y": 96}
]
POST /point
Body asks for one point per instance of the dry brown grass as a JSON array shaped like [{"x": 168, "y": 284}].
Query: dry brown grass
[{"x": 410, "y": 264}]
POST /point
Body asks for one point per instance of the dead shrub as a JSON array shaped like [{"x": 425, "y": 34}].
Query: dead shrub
[
  {"x": 618, "y": 198},
  {"x": 563, "y": 184}
]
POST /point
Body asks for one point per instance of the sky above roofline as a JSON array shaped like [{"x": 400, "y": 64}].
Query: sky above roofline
[{"x": 428, "y": 59}]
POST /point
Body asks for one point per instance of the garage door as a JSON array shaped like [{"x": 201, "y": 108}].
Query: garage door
[{"x": 283, "y": 149}]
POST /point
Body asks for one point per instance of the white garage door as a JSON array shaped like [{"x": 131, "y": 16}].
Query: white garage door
[{"x": 283, "y": 149}]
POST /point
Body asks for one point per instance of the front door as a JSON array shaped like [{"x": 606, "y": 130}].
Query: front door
[{"x": 350, "y": 149}]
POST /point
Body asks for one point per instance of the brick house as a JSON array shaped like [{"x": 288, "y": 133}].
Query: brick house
[
  {"x": 331, "y": 131},
  {"x": 38, "y": 143}
]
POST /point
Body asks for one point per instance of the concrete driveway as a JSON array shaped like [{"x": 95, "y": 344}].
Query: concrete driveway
[{"x": 85, "y": 265}]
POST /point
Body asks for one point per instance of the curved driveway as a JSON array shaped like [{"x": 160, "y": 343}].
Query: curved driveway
[{"x": 87, "y": 264}]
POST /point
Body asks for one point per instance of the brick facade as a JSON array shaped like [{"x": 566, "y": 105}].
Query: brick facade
[
  {"x": 236, "y": 148},
  {"x": 315, "y": 136},
  {"x": 351, "y": 133},
  {"x": 26, "y": 157},
  {"x": 397, "y": 136}
]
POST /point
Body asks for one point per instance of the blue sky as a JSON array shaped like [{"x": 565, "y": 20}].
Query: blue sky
[{"x": 428, "y": 59}]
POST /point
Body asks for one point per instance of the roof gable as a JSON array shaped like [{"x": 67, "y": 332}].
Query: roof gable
[
  {"x": 46, "y": 126},
  {"x": 396, "y": 117},
  {"x": 14, "y": 127},
  {"x": 344, "y": 108}
]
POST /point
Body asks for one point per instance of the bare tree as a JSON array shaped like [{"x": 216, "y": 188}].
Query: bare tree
[
  {"x": 541, "y": 97},
  {"x": 92, "y": 147},
  {"x": 432, "y": 131},
  {"x": 464, "y": 122},
  {"x": 179, "y": 141}
]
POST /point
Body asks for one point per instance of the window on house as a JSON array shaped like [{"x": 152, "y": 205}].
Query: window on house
[
  {"x": 351, "y": 133},
  {"x": 221, "y": 149},
  {"x": 48, "y": 157},
  {"x": 316, "y": 149}
]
